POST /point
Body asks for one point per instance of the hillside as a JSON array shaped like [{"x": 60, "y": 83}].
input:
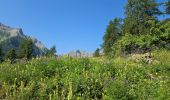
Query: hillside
[
  {"x": 131, "y": 63},
  {"x": 12, "y": 38},
  {"x": 87, "y": 79},
  {"x": 79, "y": 54}
]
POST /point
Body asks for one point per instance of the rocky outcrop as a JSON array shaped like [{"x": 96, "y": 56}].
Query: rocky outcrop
[
  {"x": 79, "y": 54},
  {"x": 145, "y": 58}
]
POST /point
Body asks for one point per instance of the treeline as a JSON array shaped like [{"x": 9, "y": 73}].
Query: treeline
[
  {"x": 141, "y": 31},
  {"x": 25, "y": 52}
]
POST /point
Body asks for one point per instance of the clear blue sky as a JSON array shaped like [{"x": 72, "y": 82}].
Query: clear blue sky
[{"x": 68, "y": 24}]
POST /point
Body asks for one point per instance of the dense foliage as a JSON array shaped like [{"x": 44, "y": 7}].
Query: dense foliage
[
  {"x": 141, "y": 31},
  {"x": 51, "y": 52},
  {"x": 1, "y": 55},
  {"x": 26, "y": 49},
  {"x": 97, "y": 53},
  {"x": 112, "y": 34},
  {"x": 138, "y": 13},
  {"x": 11, "y": 55},
  {"x": 71, "y": 78},
  {"x": 168, "y": 7}
]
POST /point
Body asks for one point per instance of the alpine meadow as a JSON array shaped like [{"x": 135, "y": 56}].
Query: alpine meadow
[{"x": 131, "y": 63}]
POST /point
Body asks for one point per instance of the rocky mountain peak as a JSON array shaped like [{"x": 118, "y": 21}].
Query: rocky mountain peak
[
  {"x": 12, "y": 38},
  {"x": 38, "y": 43},
  {"x": 12, "y": 32},
  {"x": 4, "y": 27}
]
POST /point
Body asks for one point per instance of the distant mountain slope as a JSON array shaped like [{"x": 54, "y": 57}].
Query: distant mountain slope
[
  {"x": 79, "y": 53},
  {"x": 13, "y": 37}
]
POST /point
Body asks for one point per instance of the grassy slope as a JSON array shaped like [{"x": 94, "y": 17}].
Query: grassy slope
[{"x": 94, "y": 78}]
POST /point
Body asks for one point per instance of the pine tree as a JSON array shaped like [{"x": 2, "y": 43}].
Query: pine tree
[
  {"x": 78, "y": 53},
  {"x": 1, "y": 55},
  {"x": 0, "y": 52},
  {"x": 51, "y": 52},
  {"x": 138, "y": 13},
  {"x": 29, "y": 47},
  {"x": 26, "y": 49},
  {"x": 113, "y": 32},
  {"x": 97, "y": 53},
  {"x": 11, "y": 55},
  {"x": 168, "y": 7}
]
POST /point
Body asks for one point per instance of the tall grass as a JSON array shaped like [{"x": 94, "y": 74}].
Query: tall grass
[{"x": 85, "y": 79}]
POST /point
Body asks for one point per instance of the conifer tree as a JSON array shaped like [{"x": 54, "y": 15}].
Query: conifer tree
[
  {"x": 26, "y": 49},
  {"x": 1, "y": 55},
  {"x": 11, "y": 55},
  {"x": 168, "y": 7},
  {"x": 97, "y": 53},
  {"x": 138, "y": 13},
  {"x": 113, "y": 32},
  {"x": 51, "y": 52}
]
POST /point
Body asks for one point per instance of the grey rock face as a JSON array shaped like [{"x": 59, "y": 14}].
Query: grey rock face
[
  {"x": 13, "y": 37},
  {"x": 80, "y": 54}
]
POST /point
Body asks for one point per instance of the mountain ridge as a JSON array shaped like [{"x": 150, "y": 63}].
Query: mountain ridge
[{"x": 12, "y": 38}]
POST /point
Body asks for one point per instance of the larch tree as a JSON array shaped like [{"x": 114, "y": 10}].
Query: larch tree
[
  {"x": 51, "y": 52},
  {"x": 97, "y": 53},
  {"x": 113, "y": 32},
  {"x": 11, "y": 55},
  {"x": 1, "y": 55},
  {"x": 168, "y": 7},
  {"x": 26, "y": 49},
  {"x": 138, "y": 13}
]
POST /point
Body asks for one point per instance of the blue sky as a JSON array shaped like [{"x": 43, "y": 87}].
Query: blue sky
[{"x": 67, "y": 24}]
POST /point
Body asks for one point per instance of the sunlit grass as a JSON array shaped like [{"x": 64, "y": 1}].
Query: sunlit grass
[{"x": 93, "y": 78}]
